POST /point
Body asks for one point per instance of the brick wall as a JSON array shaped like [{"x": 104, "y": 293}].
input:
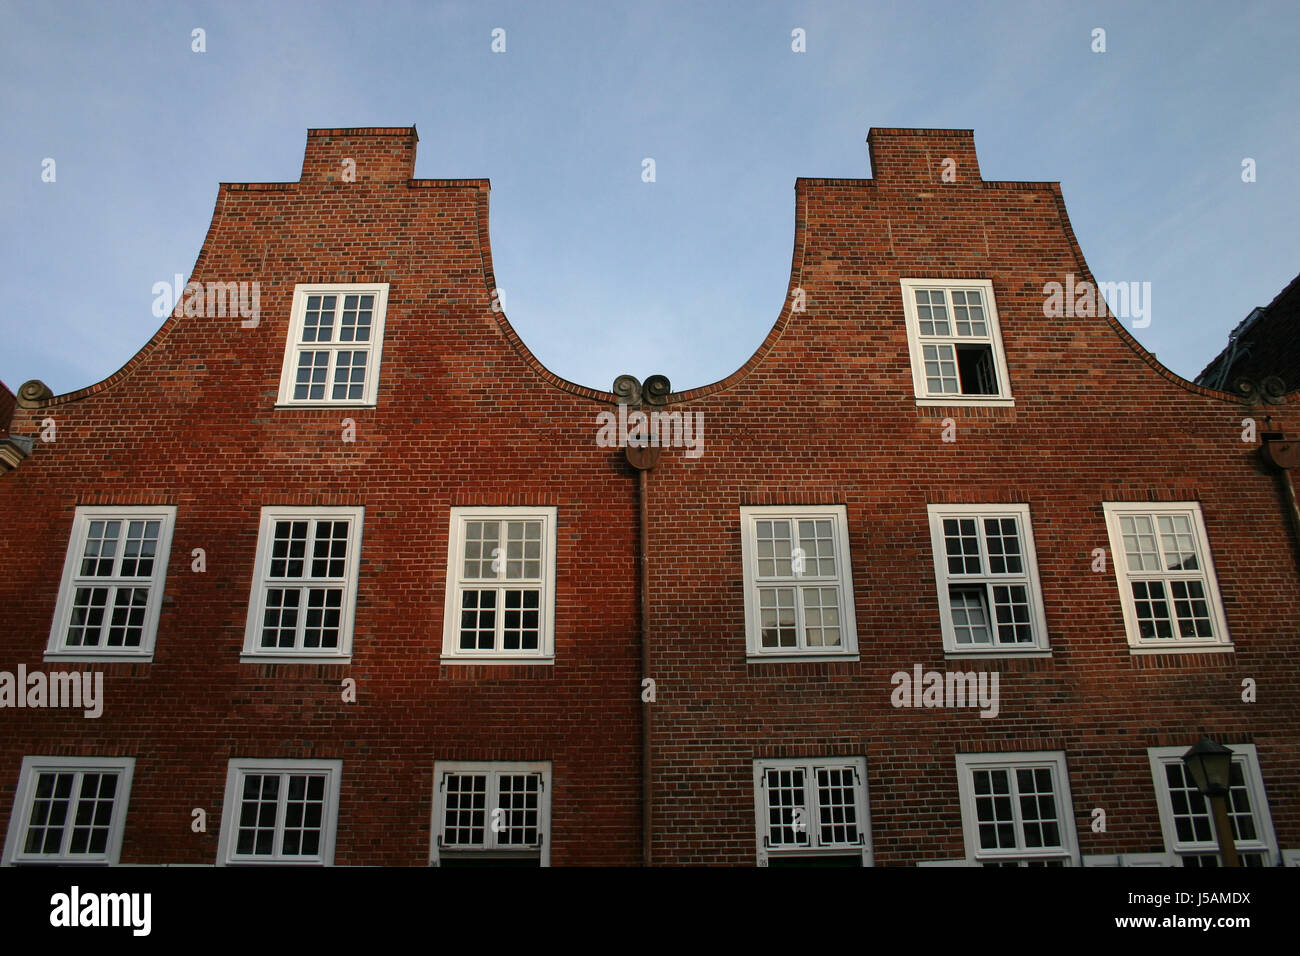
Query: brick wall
[
  {"x": 465, "y": 416},
  {"x": 825, "y": 414}
]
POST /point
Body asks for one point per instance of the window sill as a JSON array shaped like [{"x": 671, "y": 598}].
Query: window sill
[
  {"x": 965, "y": 401},
  {"x": 272, "y": 863},
  {"x": 1182, "y": 649},
  {"x": 307, "y": 405},
  {"x": 247, "y": 658},
  {"x": 999, "y": 653},
  {"x": 84, "y": 657},
  {"x": 799, "y": 658},
  {"x": 504, "y": 661}
]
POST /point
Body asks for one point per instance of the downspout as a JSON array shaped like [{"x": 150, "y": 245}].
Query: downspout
[
  {"x": 643, "y": 454},
  {"x": 643, "y": 459},
  {"x": 647, "y": 710}
]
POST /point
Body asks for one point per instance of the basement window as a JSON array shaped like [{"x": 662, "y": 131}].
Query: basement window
[
  {"x": 955, "y": 343},
  {"x": 280, "y": 812},
  {"x": 812, "y": 812},
  {"x": 69, "y": 810},
  {"x": 1016, "y": 809},
  {"x": 1188, "y": 824},
  {"x": 491, "y": 814}
]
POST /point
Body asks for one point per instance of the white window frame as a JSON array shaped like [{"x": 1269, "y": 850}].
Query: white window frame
[
  {"x": 57, "y": 649},
  {"x": 1222, "y": 642},
  {"x": 293, "y": 344},
  {"x": 253, "y": 651},
  {"x": 451, "y": 650},
  {"x": 1054, "y": 760},
  {"x": 20, "y": 817},
  {"x": 232, "y": 806},
  {"x": 1247, "y": 757},
  {"x": 490, "y": 851},
  {"x": 765, "y": 853},
  {"x": 838, "y": 515},
  {"x": 994, "y": 339},
  {"x": 1040, "y": 646}
]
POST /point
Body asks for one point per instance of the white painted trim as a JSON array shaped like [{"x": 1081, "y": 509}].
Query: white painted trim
[
  {"x": 1248, "y": 757},
  {"x": 32, "y": 767},
  {"x": 838, "y": 514},
  {"x": 811, "y": 765},
  {"x": 375, "y": 347},
  {"x": 1052, "y": 759},
  {"x": 252, "y": 652},
  {"x": 233, "y": 801},
  {"x": 1112, "y": 511},
  {"x": 1041, "y": 646},
  {"x": 1004, "y": 397},
  {"x": 55, "y": 649},
  {"x": 492, "y": 769},
  {"x": 545, "y": 653}
]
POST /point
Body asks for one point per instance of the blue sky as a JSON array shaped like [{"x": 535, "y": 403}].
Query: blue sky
[{"x": 603, "y": 273}]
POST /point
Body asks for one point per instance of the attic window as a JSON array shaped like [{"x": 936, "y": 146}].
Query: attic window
[{"x": 955, "y": 343}]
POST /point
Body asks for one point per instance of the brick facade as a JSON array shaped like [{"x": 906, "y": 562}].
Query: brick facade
[{"x": 822, "y": 414}]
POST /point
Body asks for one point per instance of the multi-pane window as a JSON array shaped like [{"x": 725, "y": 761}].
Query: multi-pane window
[
  {"x": 798, "y": 584},
  {"x": 954, "y": 340},
  {"x": 304, "y": 585},
  {"x": 280, "y": 811},
  {"x": 1016, "y": 809},
  {"x": 69, "y": 810},
  {"x": 496, "y": 813},
  {"x": 335, "y": 340},
  {"x": 1186, "y": 817},
  {"x": 112, "y": 586},
  {"x": 500, "y": 584},
  {"x": 987, "y": 576},
  {"x": 812, "y": 812},
  {"x": 1166, "y": 576}
]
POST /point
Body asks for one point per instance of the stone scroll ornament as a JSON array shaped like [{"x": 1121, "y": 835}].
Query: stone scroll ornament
[
  {"x": 32, "y": 393},
  {"x": 629, "y": 391},
  {"x": 1268, "y": 391}
]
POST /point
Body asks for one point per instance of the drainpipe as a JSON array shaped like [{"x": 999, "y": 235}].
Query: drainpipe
[
  {"x": 1284, "y": 456},
  {"x": 644, "y": 463},
  {"x": 643, "y": 457}
]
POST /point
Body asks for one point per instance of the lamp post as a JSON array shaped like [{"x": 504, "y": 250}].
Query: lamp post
[{"x": 1210, "y": 765}]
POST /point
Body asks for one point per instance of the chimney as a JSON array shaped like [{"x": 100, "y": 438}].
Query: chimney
[
  {"x": 360, "y": 155},
  {"x": 924, "y": 157}
]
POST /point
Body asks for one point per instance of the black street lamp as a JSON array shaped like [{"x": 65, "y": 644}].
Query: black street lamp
[{"x": 1210, "y": 765}]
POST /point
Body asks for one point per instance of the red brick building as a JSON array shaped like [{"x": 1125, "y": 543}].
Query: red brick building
[{"x": 940, "y": 575}]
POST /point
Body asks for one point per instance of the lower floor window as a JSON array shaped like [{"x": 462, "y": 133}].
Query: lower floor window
[
  {"x": 1016, "y": 809},
  {"x": 69, "y": 810},
  {"x": 496, "y": 814},
  {"x": 1186, "y": 818},
  {"x": 812, "y": 812},
  {"x": 280, "y": 811}
]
